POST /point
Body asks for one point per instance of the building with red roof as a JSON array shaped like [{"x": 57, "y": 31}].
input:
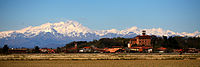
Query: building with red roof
[
  {"x": 140, "y": 40},
  {"x": 141, "y": 43}
]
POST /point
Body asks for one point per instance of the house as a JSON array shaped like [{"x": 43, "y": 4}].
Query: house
[
  {"x": 145, "y": 49},
  {"x": 192, "y": 50},
  {"x": 47, "y": 50},
  {"x": 71, "y": 50},
  {"x": 90, "y": 49},
  {"x": 140, "y": 40},
  {"x": 86, "y": 49},
  {"x": 161, "y": 49},
  {"x": 140, "y": 43},
  {"x": 114, "y": 49},
  {"x": 19, "y": 50}
]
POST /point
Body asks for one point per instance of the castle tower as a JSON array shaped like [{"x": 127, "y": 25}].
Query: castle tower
[{"x": 143, "y": 32}]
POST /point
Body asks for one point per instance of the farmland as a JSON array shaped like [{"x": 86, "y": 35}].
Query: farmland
[
  {"x": 100, "y": 60},
  {"x": 102, "y": 63},
  {"x": 101, "y": 56}
]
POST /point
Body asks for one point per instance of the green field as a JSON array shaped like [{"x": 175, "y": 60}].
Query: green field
[{"x": 102, "y": 63}]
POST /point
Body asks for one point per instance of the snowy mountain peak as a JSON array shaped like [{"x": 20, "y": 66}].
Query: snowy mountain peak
[
  {"x": 73, "y": 28},
  {"x": 65, "y": 32},
  {"x": 46, "y": 24},
  {"x": 197, "y": 32},
  {"x": 113, "y": 31},
  {"x": 134, "y": 28},
  {"x": 65, "y": 28},
  {"x": 75, "y": 23}
]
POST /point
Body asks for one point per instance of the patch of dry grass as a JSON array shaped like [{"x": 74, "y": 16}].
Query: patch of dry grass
[
  {"x": 102, "y": 63},
  {"x": 97, "y": 56}
]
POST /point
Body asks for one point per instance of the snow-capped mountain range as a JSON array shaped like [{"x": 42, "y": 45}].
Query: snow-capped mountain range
[{"x": 58, "y": 34}]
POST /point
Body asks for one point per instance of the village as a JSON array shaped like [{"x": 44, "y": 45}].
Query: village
[{"x": 139, "y": 44}]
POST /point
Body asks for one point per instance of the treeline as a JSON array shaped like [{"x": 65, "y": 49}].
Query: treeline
[
  {"x": 175, "y": 42},
  {"x": 101, "y": 43},
  {"x": 170, "y": 43},
  {"x": 36, "y": 49}
]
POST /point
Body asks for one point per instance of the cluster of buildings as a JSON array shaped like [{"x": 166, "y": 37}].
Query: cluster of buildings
[{"x": 139, "y": 44}]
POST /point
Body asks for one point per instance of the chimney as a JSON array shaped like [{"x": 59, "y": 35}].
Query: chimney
[
  {"x": 143, "y": 32},
  {"x": 75, "y": 46}
]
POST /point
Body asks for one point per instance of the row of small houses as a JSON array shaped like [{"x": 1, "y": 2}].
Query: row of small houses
[
  {"x": 113, "y": 49},
  {"x": 119, "y": 49}
]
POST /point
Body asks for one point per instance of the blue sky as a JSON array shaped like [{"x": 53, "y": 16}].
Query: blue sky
[{"x": 175, "y": 15}]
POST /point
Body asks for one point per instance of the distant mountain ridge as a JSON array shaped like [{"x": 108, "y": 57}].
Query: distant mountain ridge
[{"x": 58, "y": 34}]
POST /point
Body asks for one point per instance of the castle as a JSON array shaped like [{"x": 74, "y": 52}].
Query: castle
[{"x": 140, "y": 40}]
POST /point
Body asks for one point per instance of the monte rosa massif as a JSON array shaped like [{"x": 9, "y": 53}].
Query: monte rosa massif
[{"x": 54, "y": 35}]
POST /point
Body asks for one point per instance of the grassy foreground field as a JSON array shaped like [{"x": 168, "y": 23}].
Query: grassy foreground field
[
  {"x": 100, "y": 60},
  {"x": 100, "y": 56},
  {"x": 102, "y": 63}
]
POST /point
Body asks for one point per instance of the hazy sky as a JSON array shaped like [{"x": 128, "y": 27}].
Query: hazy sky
[{"x": 175, "y": 15}]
